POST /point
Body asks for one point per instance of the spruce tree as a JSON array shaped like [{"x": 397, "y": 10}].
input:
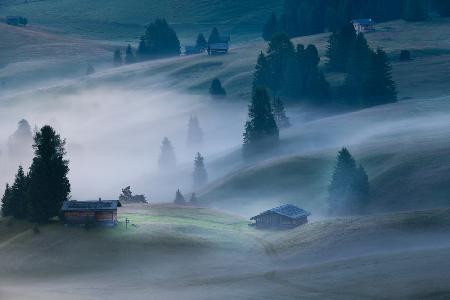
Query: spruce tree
[
  {"x": 193, "y": 201},
  {"x": 339, "y": 48},
  {"x": 6, "y": 202},
  {"x": 159, "y": 40},
  {"x": 214, "y": 36},
  {"x": 415, "y": 10},
  {"x": 117, "y": 59},
  {"x": 270, "y": 27},
  {"x": 201, "y": 42},
  {"x": 48, "y": 186},
  {"x": 216, "y": 88},
  {"x": 280, "y": 114},
  {"x": 179, "y": 198},
  {"x": 129, "y": 55},
  {"x": 262, "y": 72},
  {"x": 199, "y": 176},
  {"x": 19, "y": 194},
  {"x": 167, "y": 160},
  {"x": 261, "y": 131},
  {"x": 279, "y": 54},
  {"x": 195, "y": 133}
]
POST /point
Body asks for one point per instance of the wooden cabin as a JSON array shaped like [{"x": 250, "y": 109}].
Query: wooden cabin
[
  {"x": 363, "y": 25},
  {"x": 95, "y": 213},
  {"x": 16, "y": 21},
  {"x": 220, "y": 47},
  {"x": 282, "y": 217}
]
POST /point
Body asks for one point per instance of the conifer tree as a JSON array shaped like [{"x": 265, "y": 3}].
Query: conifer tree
[
  {"x": 216, "y": 88},
  {"x": 199, "y": 176},
  {"x": 195, "y": 133},
  {"x": 167, "y": 160},
  {"x": 415, "y": 10},
  {"x": 261, "y": 131},
  {"x": 159, "y": 40},
  {"x": 262, "y": 72},
  {"x": 6, "y": 202},
  {"x": 339, "y": 48},
  {"x": 179, "y": 198},
  {"x": 193, "y": 201},
  {"x": 279, "y": 53},
  {"x": 48, "y": 186},
  {"x": 19, "y": 194},
  {"x": 129, "y": 55},
  {"x": 117, "y": 59},
  {"x": 214, "y": 36},
  {"x": 280, "y": 114},
  {"x": 201, "y": 42},
  {"x": 270, "y": 27}
]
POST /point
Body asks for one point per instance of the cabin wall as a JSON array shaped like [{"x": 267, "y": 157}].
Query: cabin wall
[
  {"x": 104, "y": 218},
  {"x": 278, "y": 221}
]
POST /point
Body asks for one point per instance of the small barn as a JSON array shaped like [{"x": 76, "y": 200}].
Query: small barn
[
  {"x": 282, "y": 217},
  {"x": 363, "y": 25},
  {"x": 16, "y": 21},
  {"x": 96, "y": 213},
  {"x": 220, "y": 47}
]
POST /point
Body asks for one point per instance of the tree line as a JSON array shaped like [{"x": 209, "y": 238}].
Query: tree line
[
  {"x": 39, "y": 194},
  {"x": 305, "y": 17}
]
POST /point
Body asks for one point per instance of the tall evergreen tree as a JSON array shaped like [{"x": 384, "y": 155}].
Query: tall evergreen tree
[
  {"x": 262, "y": 72},
  {"x": 199, "y": 176},
  {"x": 129, "y": 55},
  {"x": 280, "y": 114},
  {"x": 159, "y": 40},
  {"x": 49, "y": 186},
  {"x": 339, "y": 48},
  {"x": 201, "y": 42},
  {"x": 117, "y": 59},
  {"x": 195, "y": 133},
  {"x": 6, "y": 202},
  {"x": 167, "y": 160},
  {"x": 415, "y": 10},
  {"x": 19, "y": 194},
  {"x": 349, "y": 186},
  {"x": 216, "y": 88},
  {"x": 193, "y": 201},
  {"x": 261, "y": 131},
  {"x": 443, "y": 7},
  {"x": 280, "y": 52},
  {"x": 179, "y": 198},
  {"x": 270, "y": 27},
  {"x": 214, "y": 36}
]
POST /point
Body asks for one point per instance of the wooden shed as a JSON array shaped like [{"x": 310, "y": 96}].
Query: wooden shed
[
  {"x": 220, "y": 47},
  {"x": 282, "y": 217},
  {"x": 363, "y": 25},
  {"x": 100, "y": 213}
]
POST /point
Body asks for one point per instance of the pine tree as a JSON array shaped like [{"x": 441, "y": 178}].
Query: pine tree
[
  {"x": 216, "y": 88},
  {"x": 199, "y": 176},
  {"x": 280, "y": 52},
  {"x": 261, "y": 131},
  {"x": 19, "y": 194},
  {"x": 262, "y": 72},
  {"x": 193, "y": 201},
  {"x": 349, "y": 187},
  {"x": 159, "y": 40},
  {"x": 167, "y": 160},
  {"x": 415, "y": 10},
  {"x": 379, "y": 88},
  {"x": 214, "y": 36},
  {"x": 117, "y": 59},
  {"x": 270, "y": 27},
  {"x": 49, "y": 186},
  {"x": 179, "y": 198},
  {"x": 201, "y": 42},
  {"x": 129, "y": 55},
  {"x": 280, "y": 114},
  {"x": 195, "y": 133},
  {"x": 6, "y": 202},
  {"x": 339, "y": 48}
]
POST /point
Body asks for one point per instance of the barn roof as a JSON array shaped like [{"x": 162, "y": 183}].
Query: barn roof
[
  {"x": 287, "y": 210},
  {"x": 90, "y": 205},
  {"x": 363, "y": 21}
]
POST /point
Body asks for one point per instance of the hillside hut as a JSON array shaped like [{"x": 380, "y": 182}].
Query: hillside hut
[
  {"x": 16, "y": 21},
  {"x": 282, "y": 217},
  {"x": 96, "y": 213},
  {"x": 363, "y": 25},
  {"x": 221, "y": 47}
]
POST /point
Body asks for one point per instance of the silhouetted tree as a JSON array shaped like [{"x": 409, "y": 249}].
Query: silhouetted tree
[
  {"x": 19, "y": 194},
  {"x": 270, "y": 27},
  {"x": 339, "y": 48},
  {"x": 216, "y": 88},
  {"x": 279, "y": 53},
  {"x": 128, "y": 197},
  {"x": 201, "y": 42},
  {"x": 199, "y": 176},
  {"x": 179, "y": 198},
  {"x": 261, "y": 75},
  {"x": 167, "y": 159},
  {"x": 117, "y": 59},
  {"x": 195, "y": 133},
  {"x": 129, "y": 55},
  {"x": 159, "y": 40},
  {"x": 193, "y": 201},
  {"x": 415, "y": 10},
  {"x": 280, "y": 114},
  {"x": 214, "y": 36},
  {"x": 349, "y": 187},
  {"x": 49, "y": 186},
  {"x": 261, "y": 131},
  {"x": 6, "y": 202},
  {"x": 443, "y": 7}
]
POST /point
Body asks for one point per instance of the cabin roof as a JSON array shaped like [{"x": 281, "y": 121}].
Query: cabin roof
[
  {"x": 363, "y": 21},
  {"x": 97, "y": 205},
  {"x": 287, "y": 210}
]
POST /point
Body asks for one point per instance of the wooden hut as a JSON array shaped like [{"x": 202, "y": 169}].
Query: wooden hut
[
  {"x": 363, "y": 25},
  {"x": 282, "y": 217},
  {"x": 220, "y": 47},
  {"x": 100, "y": 213}
]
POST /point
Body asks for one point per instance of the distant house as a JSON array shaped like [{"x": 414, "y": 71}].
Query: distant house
[
  {"x": 221, "y": 47},
  {"x": 282, "y": 217},
  {"x": 101, "y": 212},
  {"x": 16, "y": 21},
  {"x": 189, "y": 50},
  {"x": 363, "y": 25}
]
